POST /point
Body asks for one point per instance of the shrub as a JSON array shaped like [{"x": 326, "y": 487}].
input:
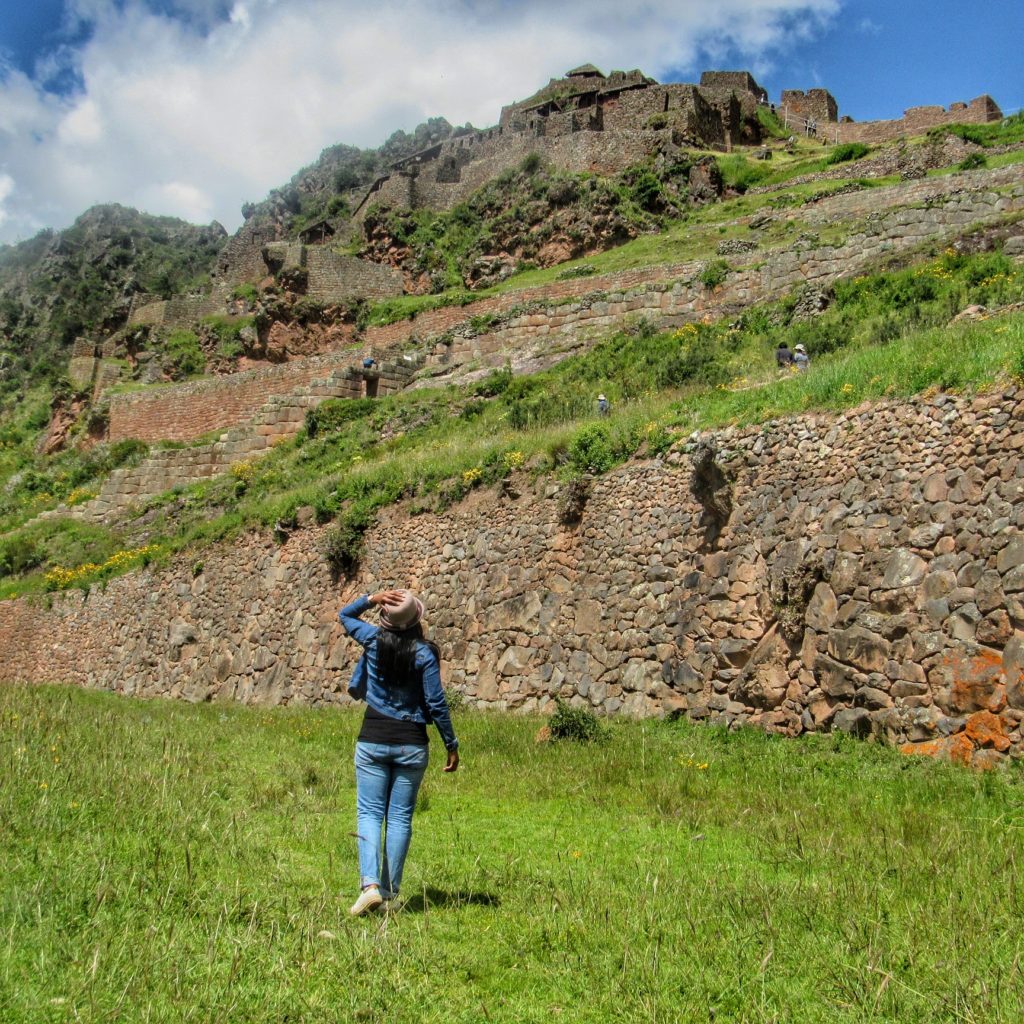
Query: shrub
[
  {"x": 245, "y": 291},
  {"x": 583, "y": 270},
  {"x": 696, "y": 361},
  {"x": 333, "y": 414},
  {"x": 648, "y": 192},
  {"x": 495, "y": 383},
  {"x": 713, "y": 274},
  {"x": 740, "y": 173},
  {"x": 337, "y": 207},
  {"x": 456, "y": 699},
  {"x": 972, "y": 162},
  {"x": 346, "y": 178},
  {"x": 18, "y": 555},
  {"x": 531, "y": 163},
  {"x": 580, "y": 725},
  {"x": 183, "y": 355},
  {"x": 591, "y": 450},
  {"x": 343, "y": 543},
  {"x": 846, "y": 152}
]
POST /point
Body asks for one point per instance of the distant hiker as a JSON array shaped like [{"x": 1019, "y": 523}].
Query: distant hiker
[
  {"x": 783, "y": 356},
  {"x": 800, "y": 358},
  {"x": 604, "y": 407},
  {"x": 399, "y": 677}
]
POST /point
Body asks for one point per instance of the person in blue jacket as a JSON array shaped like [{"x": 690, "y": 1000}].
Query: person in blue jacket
[{"x": 399, "y": 678}]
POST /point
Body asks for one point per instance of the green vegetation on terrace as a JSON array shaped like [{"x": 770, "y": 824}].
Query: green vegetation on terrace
[
  {"x": 682, "y": 239},
  {"x": 884, "y": 334},
  {"x": 670, "y": 872},
  {"x": 524, "y": 208},
  {"x": 60, "y": 286},
  {"x": 1007, "y": 132}
]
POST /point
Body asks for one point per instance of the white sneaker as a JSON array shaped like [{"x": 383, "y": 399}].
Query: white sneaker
[{"x": 369, "y": 899}]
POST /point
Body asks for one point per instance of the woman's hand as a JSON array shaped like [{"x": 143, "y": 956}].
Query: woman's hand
[
  {"x": 453, "y": 761},
  {"x": 387, "y": 597}
]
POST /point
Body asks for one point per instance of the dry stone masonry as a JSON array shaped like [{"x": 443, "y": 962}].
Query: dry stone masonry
[
  {"x": 863, "y": 573},
  {"x": 278, "y": 419}
]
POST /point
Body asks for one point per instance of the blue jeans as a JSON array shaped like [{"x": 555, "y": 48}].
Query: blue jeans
[{"x": 388, "y": 777}]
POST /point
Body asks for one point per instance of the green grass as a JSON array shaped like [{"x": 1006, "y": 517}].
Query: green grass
[
  {"x": 168, "y": 862},
  {"x": 1007, "y": 132}
]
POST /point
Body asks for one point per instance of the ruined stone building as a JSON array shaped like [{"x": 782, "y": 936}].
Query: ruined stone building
[{"x": 586, "y": 121}]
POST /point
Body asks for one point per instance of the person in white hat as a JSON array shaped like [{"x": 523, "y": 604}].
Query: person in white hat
[
  {"x": 603, "y": 406},
  {"x": 399, "y": 678},
  {"x": 800, "y": 358}
]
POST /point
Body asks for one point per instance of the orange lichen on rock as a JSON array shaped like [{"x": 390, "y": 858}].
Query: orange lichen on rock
[
  {"x": 986, "y": 730},
  {"x": 959, "y": 749},
  {"x": 930, "y": 748},
  {"x": 975, "y": 683}
]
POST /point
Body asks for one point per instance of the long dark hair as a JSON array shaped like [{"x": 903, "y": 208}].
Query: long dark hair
[{"x": 396, "y": 657}]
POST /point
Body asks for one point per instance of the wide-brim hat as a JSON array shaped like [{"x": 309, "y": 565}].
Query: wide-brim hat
[
  {"x": 404, "y": 615},
  {"x": 800, "y": 348}
]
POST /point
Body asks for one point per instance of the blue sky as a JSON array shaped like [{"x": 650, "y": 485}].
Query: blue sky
[{"x": 191, "y": 107}]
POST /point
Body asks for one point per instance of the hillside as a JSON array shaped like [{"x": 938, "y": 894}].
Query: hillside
[
  {"x": 82, "y": 282},
  {"x": 347, "y": 393}
]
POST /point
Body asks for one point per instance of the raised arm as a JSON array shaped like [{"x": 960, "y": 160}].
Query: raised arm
[{"x": 362, "y": 632}]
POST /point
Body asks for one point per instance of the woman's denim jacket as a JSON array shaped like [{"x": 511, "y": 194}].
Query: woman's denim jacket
[{"x": 366, "y": 684}]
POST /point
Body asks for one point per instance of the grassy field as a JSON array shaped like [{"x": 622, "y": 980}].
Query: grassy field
[{"x": 166, "y": 862}]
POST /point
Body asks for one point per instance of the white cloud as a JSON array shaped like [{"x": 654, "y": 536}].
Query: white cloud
[
  {"x": 82, "y": 125},
  {"x": 193, "y": 115},
  {"x": 6, "y": 188}
]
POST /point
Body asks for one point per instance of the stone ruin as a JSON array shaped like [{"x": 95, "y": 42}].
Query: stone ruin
[
  {"x": 586, "y": 121},
  {"x": 589, "y": 121}
]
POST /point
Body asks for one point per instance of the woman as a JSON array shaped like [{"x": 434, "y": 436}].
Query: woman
[{"x": 399, "y": 677}]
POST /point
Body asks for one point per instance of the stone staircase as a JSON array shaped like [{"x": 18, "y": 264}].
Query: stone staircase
[{"x": 280, "y": 418}]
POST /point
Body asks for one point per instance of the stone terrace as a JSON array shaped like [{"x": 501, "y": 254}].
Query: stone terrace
[
  {"x": 868, "y": 577},
  {"x": 549, "y": 321}
]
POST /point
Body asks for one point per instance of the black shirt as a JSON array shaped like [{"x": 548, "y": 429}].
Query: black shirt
[{"x": 378, "y": 728}]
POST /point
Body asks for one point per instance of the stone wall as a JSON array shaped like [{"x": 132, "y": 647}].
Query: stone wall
[
  {"x": 417, "y": 186},
  {"x": 741, "y": 82},
  {"x": 184, "y": 412},
  {"x": 280, "y": 418},
  {"x": 181, "y": 312},
  {"x": 815, "y": 104},
  {"x": 241, "y": 259},
  {"x": 863, "y": 572},
  {"x": 672, "y": 295},
  {"x": 334, "y": 277},
  {"x": 915, "y": 121}
]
